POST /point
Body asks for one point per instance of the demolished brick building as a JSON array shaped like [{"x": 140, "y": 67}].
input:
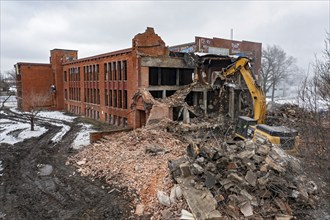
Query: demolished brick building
[{"x": 114, "y": 87}]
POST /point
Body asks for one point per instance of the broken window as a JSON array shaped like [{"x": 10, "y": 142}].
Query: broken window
[
  {"x": 97, "y": 67},
  {"x": 125, "y": 123},
  {"x": 125, "y": 99},
  {"x": 168, "y": 76},
  {"x": 65, "y": 76},
  {"x": 153, "y": 76},
  {"x": 110, "y": 71},
  {"x": 106, "y": 117},
  {"x": 110, "y": 119},
  {"x": 94, "y": 96},
  {"x": 119, "y": 69},
  {"x": 114, "y": 98},
  {"x": 110, "y": 97},
  {"x": 105, "y": 72},
  {"x": 106, "y": 98},
  {"x": 190, "y": 99},
  {"x": 114, "y": 71},
  {"x": 125, "y": 69},
  {"x": 185, "y": 76},
  {"x": 98, "y": 96},
  {"x": 157, "y": 94},
  {"x": 120, "y": 103},
  {"x": 162, "y": 76},
  {"x": 169, "y": 93},
  {"x": 115, "y": 119}
]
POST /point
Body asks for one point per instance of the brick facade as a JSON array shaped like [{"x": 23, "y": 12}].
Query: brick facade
[
  {"x": 102, "y": 86},
  {"x": 224, "y": 47}
]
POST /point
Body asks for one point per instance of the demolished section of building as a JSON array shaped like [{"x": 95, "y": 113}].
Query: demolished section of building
[{"x": 106, "y": 86}]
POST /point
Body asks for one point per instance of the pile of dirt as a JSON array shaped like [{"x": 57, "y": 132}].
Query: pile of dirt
[{"x": 136, "y": 160}]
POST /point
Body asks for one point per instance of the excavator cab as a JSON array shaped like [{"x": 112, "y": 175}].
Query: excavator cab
[{"x": 245, "y": 127}]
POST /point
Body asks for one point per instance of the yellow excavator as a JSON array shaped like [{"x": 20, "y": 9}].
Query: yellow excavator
[{"x": 254, "y": 128}]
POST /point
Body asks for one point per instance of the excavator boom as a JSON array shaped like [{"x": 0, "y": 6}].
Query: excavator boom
[{"x": 258, "y": 97}]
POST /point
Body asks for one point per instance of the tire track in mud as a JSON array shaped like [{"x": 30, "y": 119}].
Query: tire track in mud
[{"x": 25, "y": 194}]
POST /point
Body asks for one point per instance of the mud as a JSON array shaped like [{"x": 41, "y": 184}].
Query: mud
[{"x": 28, "y": 192}]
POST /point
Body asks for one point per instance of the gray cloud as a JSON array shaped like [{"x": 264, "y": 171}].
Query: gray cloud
[{"x": 29, "y": 29}]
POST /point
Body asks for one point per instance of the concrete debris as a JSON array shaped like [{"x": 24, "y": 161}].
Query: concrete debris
[
  {"x": 251, "y": 178},
  {"x": 163, "y": 198},
  {"x": 185, "y": 215},
  {"x": 167, "y": 214},
  {"x": 139, "y": 209},
  {"x": 201, "y": 202},
  {"x": 155, "y": 150},
  {"x": 246, "y": 209},
  {"x": 247, "y": 178}
]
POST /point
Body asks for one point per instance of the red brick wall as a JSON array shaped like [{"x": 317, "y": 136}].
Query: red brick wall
[
  {"x": 57, "y": 58},
  {"x": 36, "y": 79},
  {"x": 252, "y": 49},
  {"x": 149, "y": 43}
]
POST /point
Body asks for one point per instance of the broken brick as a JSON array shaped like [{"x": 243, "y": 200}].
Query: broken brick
[
  {"x": 235, "y": 177},
  {"x": 251, "y": 178}
]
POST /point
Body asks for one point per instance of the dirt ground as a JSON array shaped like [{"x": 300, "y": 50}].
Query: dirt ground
[{"x": 25, "y": 193}]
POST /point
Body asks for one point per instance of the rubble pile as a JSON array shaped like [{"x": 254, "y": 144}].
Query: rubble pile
[
  {"x": 247, "y": 179},
  {"x": 288, "y": 114},
  {"x": 135, "y": 160}
]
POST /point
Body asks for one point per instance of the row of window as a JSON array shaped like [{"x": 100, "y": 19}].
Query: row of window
[
  {"x": 112, "y": 100},
  {"x": 74, "y": 94},
  {"x": 91, "y": 73},
  {"x": 109, "y": 118},
  {"x": 91, "y": 113},
  {"x": 75, "y": 109},
  {"x": 116, "y": 120},
  {"x": 115, "y": 70},
  {"x": 92, "y": 96}
]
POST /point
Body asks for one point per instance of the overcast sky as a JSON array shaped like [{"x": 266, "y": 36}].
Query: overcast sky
[{"x": 30, "y": 29}]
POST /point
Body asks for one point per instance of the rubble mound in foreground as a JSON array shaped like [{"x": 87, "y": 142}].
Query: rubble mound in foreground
[{"x": 247, "y": 180}]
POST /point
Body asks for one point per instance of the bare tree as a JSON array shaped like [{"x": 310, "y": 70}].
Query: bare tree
[
  {"x": 275, "y": 66},
  {"x": 322, "y": 72},
  {"x": 35, "y": 103},
  {"x": 314, "y": 96}
]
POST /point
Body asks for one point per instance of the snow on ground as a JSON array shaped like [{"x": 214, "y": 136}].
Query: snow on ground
[
  {"x": 1, "y": 168},
  {"x": 54, "y": 115},
  {"x": 57, "y": 115},
  {"x": 11, "y": 102},
  {"x": 58, "y": 137},
  {"x": 82, "y": 138},
  {"x": 9, "y": 136}
]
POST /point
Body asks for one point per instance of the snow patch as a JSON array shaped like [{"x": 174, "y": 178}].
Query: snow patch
[
  {"x": 1, "y": 168},
  {"x": 58, "y": 137},
  {"x": 82, "y": 138},
  {"x": 11, "y": 102},
  {"x": 57, "y": 115},
  {"x": 8, "y": 127}
]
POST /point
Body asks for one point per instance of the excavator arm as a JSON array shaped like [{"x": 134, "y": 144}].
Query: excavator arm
[{"x": 242, "y": 66}]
